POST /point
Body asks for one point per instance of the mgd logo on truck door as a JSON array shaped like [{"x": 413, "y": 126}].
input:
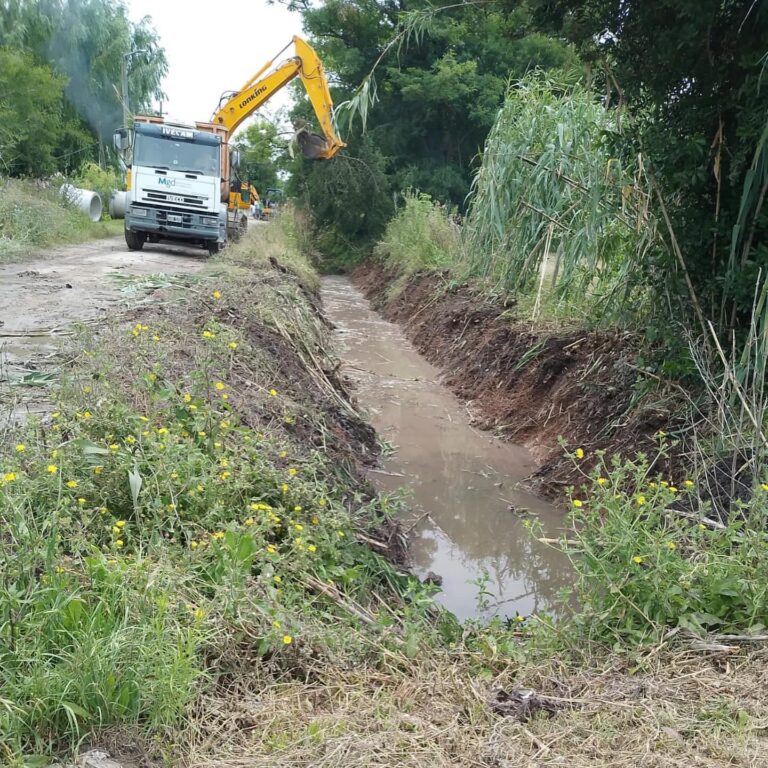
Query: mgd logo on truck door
[{"x": 164, "y": 181}]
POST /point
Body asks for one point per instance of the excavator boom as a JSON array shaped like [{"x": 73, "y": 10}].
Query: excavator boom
[{"x": 260, "y": 88}]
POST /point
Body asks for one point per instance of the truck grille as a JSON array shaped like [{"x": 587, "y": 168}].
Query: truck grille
[{"x": 193, "y": 201}]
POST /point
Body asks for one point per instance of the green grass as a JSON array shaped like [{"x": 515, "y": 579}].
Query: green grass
[{"x": 33, "y": 218}]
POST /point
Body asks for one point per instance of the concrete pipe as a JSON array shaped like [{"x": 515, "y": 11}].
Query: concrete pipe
[
  {"x": 118, "y": 202},
  {"x": 86, "y": 200}
]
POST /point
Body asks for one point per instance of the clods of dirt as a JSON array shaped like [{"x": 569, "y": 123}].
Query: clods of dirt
[{"x": 521, "y": 704}]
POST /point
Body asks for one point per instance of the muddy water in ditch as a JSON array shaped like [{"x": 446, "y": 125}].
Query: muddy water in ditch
[{"x": 462, "y": 485}]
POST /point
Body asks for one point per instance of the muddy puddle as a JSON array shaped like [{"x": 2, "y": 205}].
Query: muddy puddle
[{"x": 468, "y": 515}]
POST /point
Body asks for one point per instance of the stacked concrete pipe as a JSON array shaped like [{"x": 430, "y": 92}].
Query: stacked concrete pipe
[{"x": 88, "y": 201}]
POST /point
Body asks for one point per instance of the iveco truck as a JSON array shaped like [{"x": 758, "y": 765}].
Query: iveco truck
[{"x": 175, "y": 180}]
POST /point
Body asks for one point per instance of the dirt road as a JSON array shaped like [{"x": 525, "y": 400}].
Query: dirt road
[{"x": 41, "y": 298}]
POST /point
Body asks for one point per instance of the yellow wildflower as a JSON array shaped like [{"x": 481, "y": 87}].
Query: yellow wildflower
[
  {"x": 272, "y": 392},
  {"x": 764, "y": 486},
  {"x": 20, "y": 448},
  {"x": 200, "y": 487},
  {"x": 640, "y": 500},
  {"x": 145, "y": 433},
  {"x": 55, "y": 415},
  {"x": 120, "y": 523},
  {"x": 81, "y": 501},
  {"x": 71, "y": 483},
  {"x": 162, "y": 431},
  {"x": 201, "y": 433},
  {"x": 519, "y": 619},
  {"x": 277, "y": 579},
  {"x": 217, "y": 445},
  {"x": 671, "y": 546},
  {"x": 187, "y": 397},
  {"x": 208, "y": 335},
  {"x": 297, "y": 508},
  {"x": 225, "y": 396},
  {"x": 672, "y": 489},
  {"x": 689, "y": 484},
  {"x": 232, "y": 345},
  {"x": 285, "y": 488},
  {"x": 218, "y": 535},
  {"x": 225, "y": 475},
  {"x": 601, "y": 481},
  {"x": 155, "y": 338},
  {"x": 9, "y": 477},
  {"x": 315, "y": 519},
  {"x": 579, "y": 453},
  {"x": 216, "y": 295},
  {"x": 119, "y": 543},
  {"x": 271, "y": 549},
  {"x": 322, "y": 502},
  {"x": 144, "y": 418},
  {"x": 193, "y": 545},
  {"x": 283, "y": 454},
  {"x": 298, "y": 526},
  {"x": 292, "y": 472},
  {"x": 87, "y": 390},
  {"x": 276, "y": 624},
  {"x": 113, "y": 446},
  {"x": 578, "y": 503},
  {"x": 52, "y": 469},
  {"x": 220, "y": 385},
  {"x": 248, "y": 521},
  {"x": 637, "y": 559},
  {"x": 86, "y": 414},
  {"x": 341, "y": 534},
  {"x": 97, "y": 470},
  {"x": 311, "y": 548},
  {"x": 199, "y": 614},
  {"x": 287, "y": 639},
  {"x": 702, "y": 526},
  {"x": 130, "y": 439}
]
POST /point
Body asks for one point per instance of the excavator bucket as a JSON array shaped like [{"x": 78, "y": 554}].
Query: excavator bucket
[{"x": 313, "y": 145}]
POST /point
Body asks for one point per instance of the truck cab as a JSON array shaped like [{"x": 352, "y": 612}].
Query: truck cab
[{"x": 174, "y": 185}]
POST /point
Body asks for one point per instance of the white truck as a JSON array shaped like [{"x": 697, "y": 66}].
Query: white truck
[{"x": 174, "y": 184}]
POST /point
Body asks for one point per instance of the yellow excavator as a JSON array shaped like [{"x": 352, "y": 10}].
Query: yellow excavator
[
  {"x": 237, "y": 106},
  {"x": 180, "y": 180}
]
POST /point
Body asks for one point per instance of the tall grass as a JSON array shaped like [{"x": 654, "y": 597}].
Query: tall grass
[
  {"x": 423, "y": 235},
  {"x": 552, "y": 205},
  {"x": 33, "y": 216}
]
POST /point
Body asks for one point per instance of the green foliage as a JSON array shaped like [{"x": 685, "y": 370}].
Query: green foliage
[
  {"x": 552, "y": 202},
  {"x": 436, "y": 94},
  {"x": 263, "y": 155},
  {"x": 83, "y": 42},
  {"x": 32, "y": 123},
  {"x": 349, "y": 199},
  {"x": 33, "y": 215},
  {"x": 649, "y": 559},
  {"x": 422, "y": 235},
  {"x": 699, "y": 119},
  {"x": 101, "y": 180}
]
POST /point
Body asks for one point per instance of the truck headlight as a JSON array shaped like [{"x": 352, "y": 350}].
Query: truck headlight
[
  {"x": 139, "y": 211},
  {"x": 210, "y": 222}
]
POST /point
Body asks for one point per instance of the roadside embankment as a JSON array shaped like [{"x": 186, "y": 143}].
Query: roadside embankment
[
  {"x": 33, "y": 217},
  {"x": 531, "y": 384}
]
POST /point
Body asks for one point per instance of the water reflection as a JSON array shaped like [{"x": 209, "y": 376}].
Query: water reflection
[{"x": 461, "y": 482}]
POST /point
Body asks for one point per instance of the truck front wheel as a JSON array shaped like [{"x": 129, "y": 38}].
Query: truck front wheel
[
  {"x": 135, "y": 240},
  {"x": 213, "y": 247}
]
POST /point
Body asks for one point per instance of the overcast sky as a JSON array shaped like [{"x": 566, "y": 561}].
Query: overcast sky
[{"x": 216, "y": 47}]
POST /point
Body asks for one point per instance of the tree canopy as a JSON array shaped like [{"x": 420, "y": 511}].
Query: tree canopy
[{"x": 74, "y": 50}]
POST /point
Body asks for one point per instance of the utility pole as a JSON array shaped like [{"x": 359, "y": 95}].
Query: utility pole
[{"x": 124, "y": 82}]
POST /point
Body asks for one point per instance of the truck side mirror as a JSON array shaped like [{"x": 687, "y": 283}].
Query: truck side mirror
[
  {"x": 122, "y": 139},
  {"x": 234, "y": 158}
]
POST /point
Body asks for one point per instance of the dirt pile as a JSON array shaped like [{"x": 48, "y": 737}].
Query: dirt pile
[{"x": 534, "y": 386}]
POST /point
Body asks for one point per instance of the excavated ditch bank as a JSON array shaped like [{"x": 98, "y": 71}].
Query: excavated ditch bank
[{"x": 535, "y": 387}]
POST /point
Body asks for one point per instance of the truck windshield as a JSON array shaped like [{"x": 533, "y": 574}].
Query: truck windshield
[{"x": 157, "y": 152}]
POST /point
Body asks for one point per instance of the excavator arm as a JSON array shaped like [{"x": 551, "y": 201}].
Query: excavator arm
[{"x": 261, "y": 87}]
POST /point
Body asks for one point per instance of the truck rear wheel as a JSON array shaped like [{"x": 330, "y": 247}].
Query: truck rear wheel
[{"x": 135, "y": 240}]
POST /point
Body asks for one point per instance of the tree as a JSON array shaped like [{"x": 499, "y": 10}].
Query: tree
[
  {"x": 84, "y": 42},
  {"x": 262, "y": 154},
  {"x": 691, "y": 75},
  {"x": 32, "y": 124},
  {"x": 438, "y": 94}
]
